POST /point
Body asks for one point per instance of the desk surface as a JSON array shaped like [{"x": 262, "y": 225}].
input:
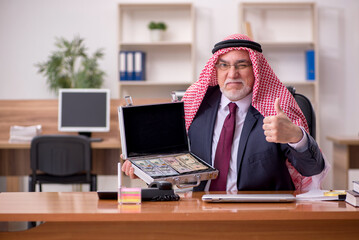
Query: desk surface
[
  {"x": 84, "y": 216},
  {"x": 345, "y": 140},
  {"x": 58, "y": 206},
  {"x": 107, "y": 143}
]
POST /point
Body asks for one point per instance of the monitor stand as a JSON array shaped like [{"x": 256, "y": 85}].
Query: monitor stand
[{"x": 88, "y": 134}]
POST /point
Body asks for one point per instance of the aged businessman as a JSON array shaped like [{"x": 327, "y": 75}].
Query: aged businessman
[{"x": 242, "y": 120}]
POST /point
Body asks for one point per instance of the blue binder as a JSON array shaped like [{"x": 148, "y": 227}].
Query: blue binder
[
  {"x": 130, "y": 65},
  {"x": 310, "y": 64},
  {"x": 140, "y": 66},
  {"x": 123, "y": 66}
]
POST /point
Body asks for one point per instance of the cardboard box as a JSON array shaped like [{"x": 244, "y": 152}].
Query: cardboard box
[{"x": 154, "y": 139}]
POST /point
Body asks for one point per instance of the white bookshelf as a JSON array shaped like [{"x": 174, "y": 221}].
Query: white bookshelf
[
  {"x": 170, "y": 64},
  {"x": 286, "y": 30}
]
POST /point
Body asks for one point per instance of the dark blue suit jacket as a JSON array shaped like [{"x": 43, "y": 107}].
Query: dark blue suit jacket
[{"x": 261, "y": 165}]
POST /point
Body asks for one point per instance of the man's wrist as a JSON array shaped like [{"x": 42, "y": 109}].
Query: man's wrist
[
  {"x": 298, "y": 136},
  {"x": 302, "y": 145}
]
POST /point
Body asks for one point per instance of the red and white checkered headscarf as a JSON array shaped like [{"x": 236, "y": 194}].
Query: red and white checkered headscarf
[{"x": 267, "y": 87}]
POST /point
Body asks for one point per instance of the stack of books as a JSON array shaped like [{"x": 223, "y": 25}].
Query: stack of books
[
  {"x": 132, "y": 65},
  {"x": 24, "y": 134},
  {"x": 353, "y": 195}
]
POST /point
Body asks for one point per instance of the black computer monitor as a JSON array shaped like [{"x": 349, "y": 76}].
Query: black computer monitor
[{"x": 84, "y": 110}]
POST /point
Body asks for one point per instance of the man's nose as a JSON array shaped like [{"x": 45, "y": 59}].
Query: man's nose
[{"x": 233, "y": 72}]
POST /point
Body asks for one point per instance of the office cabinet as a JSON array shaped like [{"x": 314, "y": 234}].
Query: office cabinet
[{"x": 170, "y": 62}]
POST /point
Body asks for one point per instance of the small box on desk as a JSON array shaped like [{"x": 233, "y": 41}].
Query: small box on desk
[{"x": 154, "y": 139}]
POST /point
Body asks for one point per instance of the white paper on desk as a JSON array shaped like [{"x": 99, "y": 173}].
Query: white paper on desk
[
  {"x": 315, "y": 195},
  {"x": 24, "y": 133}
]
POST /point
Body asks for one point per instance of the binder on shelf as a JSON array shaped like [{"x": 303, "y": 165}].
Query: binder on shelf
[
  {"x": 130, "y": 65},
  {"x": 310, "y": 64},
  {"x": 122, "y": 66},
  {"x": 139, "y": 68}
]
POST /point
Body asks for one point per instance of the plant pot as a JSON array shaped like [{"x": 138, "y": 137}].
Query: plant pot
[{"x": 156, "y": 35}]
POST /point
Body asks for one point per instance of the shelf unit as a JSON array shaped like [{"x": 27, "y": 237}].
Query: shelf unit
[
  {"x": 286, "y": 30},
  {"x": 170, "y": 64}
]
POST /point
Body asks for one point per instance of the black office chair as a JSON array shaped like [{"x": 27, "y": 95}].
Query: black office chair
[
  {"x": 307, "y": 109},
  {"x": 61, "y": 159}
]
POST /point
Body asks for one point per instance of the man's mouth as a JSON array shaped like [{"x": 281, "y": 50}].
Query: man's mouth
[{"x": 233, "y": 83}]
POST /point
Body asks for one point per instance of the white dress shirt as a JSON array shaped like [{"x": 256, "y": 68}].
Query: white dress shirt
[{"x": 241, "y": 114}]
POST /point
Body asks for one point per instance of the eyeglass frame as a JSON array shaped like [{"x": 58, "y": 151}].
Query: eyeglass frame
[{"x": 237, "y": 66}]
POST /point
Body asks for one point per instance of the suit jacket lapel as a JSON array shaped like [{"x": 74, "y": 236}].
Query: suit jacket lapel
[
  {"x": 212, "y": 109},
  {"x": 250, "y": 121}
]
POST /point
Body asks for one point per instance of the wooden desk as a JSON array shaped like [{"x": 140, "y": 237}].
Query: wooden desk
[
  {"x": 345, "y": 157},
  {"x": 15, "y": 157},
  {"x": 83, "y": 216}
]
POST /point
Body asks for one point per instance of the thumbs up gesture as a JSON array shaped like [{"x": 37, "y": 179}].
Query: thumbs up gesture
[{"x": 279, "y": 128}]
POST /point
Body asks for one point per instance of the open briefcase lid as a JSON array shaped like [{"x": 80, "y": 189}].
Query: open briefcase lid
[{"x": 152, "y": 129}]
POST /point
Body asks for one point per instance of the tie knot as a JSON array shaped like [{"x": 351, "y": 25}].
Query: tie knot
[{"x": 232, "y": 107}]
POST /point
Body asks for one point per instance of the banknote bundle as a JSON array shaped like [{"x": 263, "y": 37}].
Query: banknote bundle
[{"x": 170, "y": 165}]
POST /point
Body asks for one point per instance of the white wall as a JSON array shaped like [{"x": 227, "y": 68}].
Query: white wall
[
  {"x": 28, "y": 29},
  {"x": 339, "y": 46}
]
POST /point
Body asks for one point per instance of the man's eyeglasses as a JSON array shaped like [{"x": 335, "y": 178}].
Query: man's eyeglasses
[{"x": 238, "y": 66}]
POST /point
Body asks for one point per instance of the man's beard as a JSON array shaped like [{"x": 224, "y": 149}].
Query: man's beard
[{"x": 233, "y": 94}]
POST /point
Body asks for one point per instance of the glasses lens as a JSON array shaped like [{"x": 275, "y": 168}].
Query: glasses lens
[{"x": 225, "y": 66}]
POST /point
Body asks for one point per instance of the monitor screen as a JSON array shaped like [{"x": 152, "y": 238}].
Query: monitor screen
[{"x": 84, "y": 110}]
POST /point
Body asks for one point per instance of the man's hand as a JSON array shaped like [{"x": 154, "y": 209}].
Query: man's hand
[
  {"x": 279, "y": 128},
  {"x": 128, "y": 169}
]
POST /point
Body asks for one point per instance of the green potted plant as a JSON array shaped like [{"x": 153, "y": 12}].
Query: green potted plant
[
  {"x": 157, "y": 30},
  {"x": 71, "y": 67}
]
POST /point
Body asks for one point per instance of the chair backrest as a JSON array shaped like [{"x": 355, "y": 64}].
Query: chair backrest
[
  {"x": 307, "y": 109},
  {"x": 61, "y": 155}
]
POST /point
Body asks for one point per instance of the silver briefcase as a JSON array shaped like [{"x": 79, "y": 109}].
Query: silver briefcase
[{"x": 154, "y": 139}]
